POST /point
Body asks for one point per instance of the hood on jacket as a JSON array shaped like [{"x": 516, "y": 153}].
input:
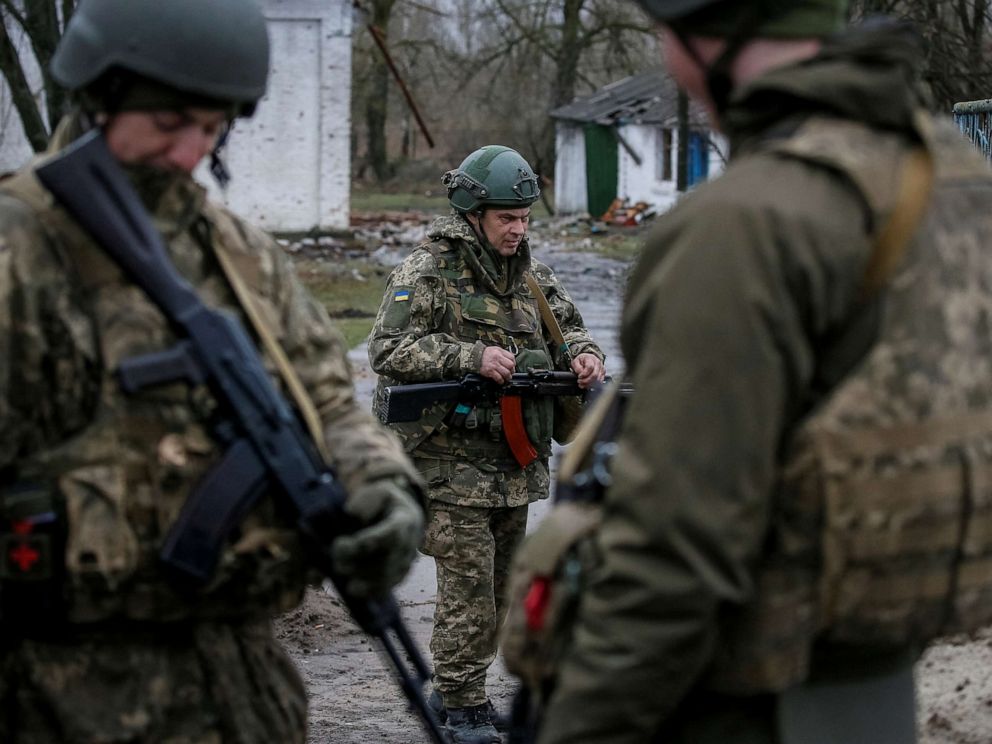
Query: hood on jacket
[
  {"x": 498, "y": 274},
  {"x": 870, "y": 73}
]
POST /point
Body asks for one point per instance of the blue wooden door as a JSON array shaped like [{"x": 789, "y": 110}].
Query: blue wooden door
[{"x": 699, "y": 158}]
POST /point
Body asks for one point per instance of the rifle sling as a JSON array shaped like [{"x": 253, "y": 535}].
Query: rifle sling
[
  {"x": 304, "y": 404},
  {"x": 915, "y": 185},
  {"x": 550, "y": 321}
]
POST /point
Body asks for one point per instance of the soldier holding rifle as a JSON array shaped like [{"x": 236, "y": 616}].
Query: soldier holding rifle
[
  {"x": 469, "y": 300},
  {"x": 102, "y": 642},
  {"x": 801, "y": 485}
]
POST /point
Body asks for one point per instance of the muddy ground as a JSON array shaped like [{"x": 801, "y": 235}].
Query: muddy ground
[{"x": 353, "y": 700}]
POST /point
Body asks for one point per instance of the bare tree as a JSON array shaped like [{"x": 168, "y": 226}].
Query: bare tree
[
  {"x": 29, "y": 32},
  {"x": 375, "y": 86},
  {"x": 561, "y": 48},
  {"x": 958, "y": 36}
]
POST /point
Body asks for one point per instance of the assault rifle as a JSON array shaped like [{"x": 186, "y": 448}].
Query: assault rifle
[
  {"x": 403, "y": 403},
  {"x": 266, "y": 448}
]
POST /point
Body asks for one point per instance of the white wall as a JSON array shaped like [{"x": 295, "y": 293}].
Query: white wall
[
  {"x": 641, "y": 182},
  {"x": 570, "y": 169},
  {"x": 291, "y": 163}
]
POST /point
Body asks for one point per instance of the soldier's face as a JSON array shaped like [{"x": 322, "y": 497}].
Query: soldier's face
[
  {"x": 169, "y": 140},
  {"x": 504, "y": 228}
]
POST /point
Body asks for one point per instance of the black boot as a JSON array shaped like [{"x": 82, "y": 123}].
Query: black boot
[
  {"x": 472, "y": 725},
  {"x": 501, "y": 721}
]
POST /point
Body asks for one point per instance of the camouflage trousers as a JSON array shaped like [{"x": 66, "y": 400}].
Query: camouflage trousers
[
  {"x": 472, "y": 547},
  {"x": 208, "y": 683}
]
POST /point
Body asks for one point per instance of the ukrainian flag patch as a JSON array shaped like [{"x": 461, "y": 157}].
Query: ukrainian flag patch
[{"x": 401, "y": 295}]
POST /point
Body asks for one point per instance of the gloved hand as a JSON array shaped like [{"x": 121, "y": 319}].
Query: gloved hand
[{"x": 377, "y": 557}]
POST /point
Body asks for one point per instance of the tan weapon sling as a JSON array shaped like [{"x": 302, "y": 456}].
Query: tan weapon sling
[
  {"x": 304, "y": 404},
  {"x": 567, "y": 411}
]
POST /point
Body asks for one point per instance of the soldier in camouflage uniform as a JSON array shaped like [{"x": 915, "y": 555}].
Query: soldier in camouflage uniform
[
  {"x": 98, "y": 644},
  {"x": 801, "y": 488},
  {"x": 459, "y": 304}
]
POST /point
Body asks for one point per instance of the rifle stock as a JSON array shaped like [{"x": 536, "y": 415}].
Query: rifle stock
[{"x": 267, "y": 449}]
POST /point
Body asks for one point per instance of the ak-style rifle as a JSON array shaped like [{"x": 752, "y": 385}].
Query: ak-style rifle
[{"x": 403, "y": 403}]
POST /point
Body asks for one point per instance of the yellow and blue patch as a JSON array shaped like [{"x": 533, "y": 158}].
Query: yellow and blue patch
[{"x": 401, "y": 295}]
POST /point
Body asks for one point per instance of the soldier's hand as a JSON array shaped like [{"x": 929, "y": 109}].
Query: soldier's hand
[
  {"x": 377, "y": 557},
  {"x": 497, "y": 364},
  {"x": 588, "y": 369}
]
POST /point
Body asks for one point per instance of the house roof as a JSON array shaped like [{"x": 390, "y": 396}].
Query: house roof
[{"x": 649, "y": 97}]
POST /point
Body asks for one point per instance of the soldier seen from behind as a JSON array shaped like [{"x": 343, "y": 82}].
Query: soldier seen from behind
[
  {"x": 462, "y": 303},
  {"x": 802, "y": 487},
  {"x": 100, "y": 643}
]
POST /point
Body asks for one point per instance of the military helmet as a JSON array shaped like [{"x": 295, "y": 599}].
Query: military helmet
[
  {"x": 214, "y": 50},
  {"x": 770, "y": 18},
  {"x": 670, "y": 10},
  {"x": 492, "y": 176}
]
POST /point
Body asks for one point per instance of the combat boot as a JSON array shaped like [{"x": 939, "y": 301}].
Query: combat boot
[
  {"x": 471, "y": 725},
  {"x": 435, "y": 702}
]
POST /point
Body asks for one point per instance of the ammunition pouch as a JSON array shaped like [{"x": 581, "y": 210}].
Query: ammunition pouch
[
  {"x": 549, "y": 573},
  {"x": 539, "y": 412}
]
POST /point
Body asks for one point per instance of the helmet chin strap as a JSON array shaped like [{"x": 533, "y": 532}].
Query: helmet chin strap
[
  {"x": 477, "y": 228},
  {"x": 218, "y": 168}
]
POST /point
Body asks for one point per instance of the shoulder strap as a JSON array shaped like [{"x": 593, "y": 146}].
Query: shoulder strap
[
  {"x": 550, "y": 321},
  {"x": 857, "y": 151},
  {"x": 915, "y": 186},
  {"x": 304, "y": 404}
]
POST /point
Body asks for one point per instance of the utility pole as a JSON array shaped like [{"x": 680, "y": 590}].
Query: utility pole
[{"x": 682, "y": 160}]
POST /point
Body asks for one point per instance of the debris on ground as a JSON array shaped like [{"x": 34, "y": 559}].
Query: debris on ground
[{"x": 624, "y": 214}]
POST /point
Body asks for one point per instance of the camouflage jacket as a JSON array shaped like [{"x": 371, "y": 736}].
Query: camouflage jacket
[
  {"x": 443, "y": 305},
  {"x": 120, "y": 467},
  {"x": 750, "y": 345}
]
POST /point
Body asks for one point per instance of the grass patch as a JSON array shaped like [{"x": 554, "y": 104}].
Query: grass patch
[
  {"x": 350, "y": 290},
  {"x": 618, "y": 246},
  {"x": 370, "y": 200}
]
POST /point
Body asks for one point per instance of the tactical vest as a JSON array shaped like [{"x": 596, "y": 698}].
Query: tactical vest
[
  {"x": 121, "y": 479},
  {"x": 882, "y": 522},
  {"x": 472, "y": 314}
]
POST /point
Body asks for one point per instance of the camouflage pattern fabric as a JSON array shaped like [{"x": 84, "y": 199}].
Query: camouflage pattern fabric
[
  {"x": 471, "y": 548},
  {"x": 208, "y": 683},
  {"x": 706, "y": 501},
  {"x": 443, "y": 305},
  {"x": 122, "y": 466}
]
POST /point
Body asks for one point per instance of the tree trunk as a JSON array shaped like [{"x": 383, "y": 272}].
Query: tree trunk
[
  {"x": 563, "y": 86},
  {"x": 375, "y": 104},
  {"x": 42, "y": 26},
  {"x": 20, "y": 92}
]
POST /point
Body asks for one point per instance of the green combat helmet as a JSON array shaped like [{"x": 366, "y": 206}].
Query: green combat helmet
[
  {"x": 217, "y": 50},
  {"x": 767, "y": 18},
  {"x": 492, "y": 176}
]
